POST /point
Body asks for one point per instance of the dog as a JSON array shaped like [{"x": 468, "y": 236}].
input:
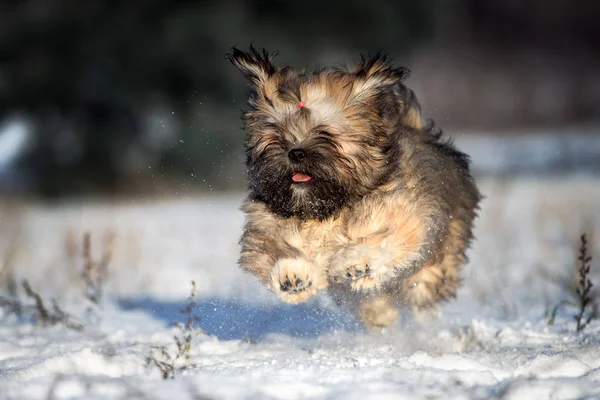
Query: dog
[{"x": 351, "y": 190}]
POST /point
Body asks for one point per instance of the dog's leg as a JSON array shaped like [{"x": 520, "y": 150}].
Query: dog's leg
[
  {"x": 432, "y": 284},
  {"x": 377, "y": 312},
  {"x": 295, "y": 280},
  {"x": 388, "y": 236},
  {"x": 366, "y": 265},
  {"x": 284, "y": 269},
  {"x": 274, "y": 253}
]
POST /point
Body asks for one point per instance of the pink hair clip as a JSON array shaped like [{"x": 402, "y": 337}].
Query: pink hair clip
[{"x": 301, "y": 104}]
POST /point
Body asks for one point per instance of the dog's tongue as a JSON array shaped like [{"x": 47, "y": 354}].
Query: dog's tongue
[{"x": 300, "y": 177}]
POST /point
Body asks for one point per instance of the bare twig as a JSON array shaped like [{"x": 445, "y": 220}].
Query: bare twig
[
  {"x": 166, "y": 363},
  {"x": 188, "y": 310},
  {"x": 39, "y": 303},
  {"x": 585, "y": 287},
  {"x": 94, "y": 274},
  {"x": 552, "y": 313},
  {"x": 50, "y": 317},
  {"x": 169, "y": 363},
  {"x": 65, "y": 318}
]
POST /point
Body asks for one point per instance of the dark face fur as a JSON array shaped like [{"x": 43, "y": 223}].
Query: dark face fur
[{"x": 318, "y": 142}]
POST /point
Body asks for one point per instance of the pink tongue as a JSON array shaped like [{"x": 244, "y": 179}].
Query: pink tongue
[{"x": 300, "y": 177}]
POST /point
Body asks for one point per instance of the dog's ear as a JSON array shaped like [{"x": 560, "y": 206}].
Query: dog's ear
[
  {"x": 408, "y": 107},
  {"x": 379, "y": 66},
  {"x": 375, "y": 73},
  {"x": 378, "y": 79},
  {"x": 255, "y": 65}
]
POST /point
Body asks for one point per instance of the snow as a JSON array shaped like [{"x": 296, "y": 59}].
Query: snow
[
  {"x": 532, "y": 151},
  {"x": 493, "y": 341}
]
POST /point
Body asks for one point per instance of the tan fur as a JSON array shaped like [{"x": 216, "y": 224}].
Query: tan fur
[
  {"x": 392, "y": 228},
  {"x": 441, "y": 280},
  {"x": 378, "y": 312}
]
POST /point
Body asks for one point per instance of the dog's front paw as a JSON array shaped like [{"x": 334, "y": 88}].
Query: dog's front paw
[
  {"x": 295, "y": 280},
  {"x": 364, "y": 267},
  {"x": 359, "y": 276}
]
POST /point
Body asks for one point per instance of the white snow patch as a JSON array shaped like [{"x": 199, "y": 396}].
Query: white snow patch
[{"x": 493, "y": 341}]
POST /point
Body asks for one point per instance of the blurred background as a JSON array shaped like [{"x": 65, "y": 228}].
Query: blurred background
[{"x": 129, "y": 98}]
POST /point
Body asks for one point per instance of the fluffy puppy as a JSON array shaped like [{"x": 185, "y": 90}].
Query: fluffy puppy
[{"x": 351, "y": 191}]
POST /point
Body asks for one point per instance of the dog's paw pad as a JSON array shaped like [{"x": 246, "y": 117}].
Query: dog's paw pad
[
  {"x": 295, "y": 280},
  {"x": 360, "y": 277},
  {"x": 355, "y": 272},
  {"x": 362, "y": 267},
  {"x": 295, "y": 285}
]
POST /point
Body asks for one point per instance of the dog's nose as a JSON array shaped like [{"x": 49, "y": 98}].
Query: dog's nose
[{"x": 297, "y": 155}]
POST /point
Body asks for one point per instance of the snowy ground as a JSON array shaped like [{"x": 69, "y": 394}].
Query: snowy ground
[{"x": 492, "y": 342}]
